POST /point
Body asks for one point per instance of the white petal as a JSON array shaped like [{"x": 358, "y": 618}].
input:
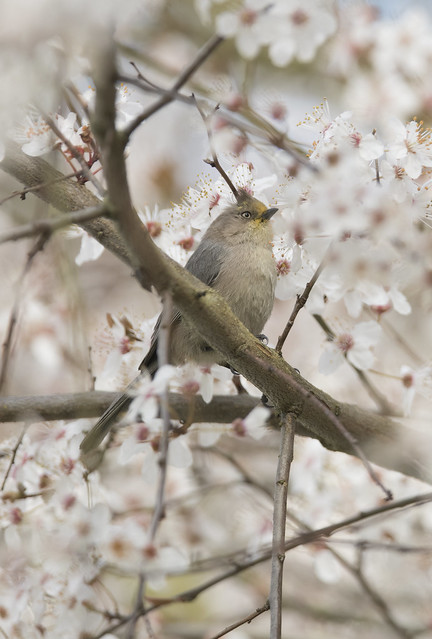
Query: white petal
[
  {"x": 330, "y": 360},
  {"x": 326, "y": 567},
  {"x": 208, "y": 434},
  {"x": 206, "y": 387},
  {"x": 362, "y": 358},
  {"x": 400, "y": 302},
  {"x": 179, "y": 454},
  {"x": 366, "y": 333},
  {"x": 90, "y": 250},
  {"x": 370, "y": 148},
  {"x": 353, "y": 303},
  {"x": 255, "y": 421}
]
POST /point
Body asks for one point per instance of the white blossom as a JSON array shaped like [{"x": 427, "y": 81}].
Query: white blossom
[{"x": 356, "y": 345}]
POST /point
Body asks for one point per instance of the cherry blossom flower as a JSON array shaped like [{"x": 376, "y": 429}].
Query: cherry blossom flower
[
  {"x": 410, "y": 146},
  {"x": 295, "y": 30},
  {"x": 355, "y": 345},
  {"x": 415, "y": 381},
  {"x": 90, "y": 249},
  {"x": 245, "y": 25},
  {"x": 376, "y": 296},
  {"x": 253, "y": 423}
]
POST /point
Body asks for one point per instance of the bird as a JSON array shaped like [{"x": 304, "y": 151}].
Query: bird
[{"x": 235, "y": 258}]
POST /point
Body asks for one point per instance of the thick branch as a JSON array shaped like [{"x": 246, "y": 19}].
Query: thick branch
[{"x": 223, "y": 409}]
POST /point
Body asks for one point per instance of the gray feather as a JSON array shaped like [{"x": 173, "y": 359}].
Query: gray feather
[
  {"x": 103, "y": 426},
  {"x": 205, "y": 264}
]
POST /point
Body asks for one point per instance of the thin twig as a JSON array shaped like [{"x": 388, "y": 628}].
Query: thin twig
[
  {"x": 368, "y": 544},
  {"x": 239, "y": 565},
  {"x": 12, "y": 460},
  {"x": 42, "y": 185},
  {"x": 373, "y": 595},
  {"x": 358, "y": 574},
  {"x": 196, "y": 63},
  {"x": 76, "y": 154},
  {"x": 163, "y": 359},
  {"x": 241, "y": 622},
  {"x": 79, "y": 98},
  {"x": 13, "y": 319},
  {"x": 140, "y": 76},
  {"x": 138, "y": 610},
  {"x": 361, "y": 544},
  {"x": 301, "y": 301},
  {"x": 279, "y": 526},
  {"x": 48, "y": 226},
  {"x": 215, "y": 161},
  {"x": 254, "y": 124}
]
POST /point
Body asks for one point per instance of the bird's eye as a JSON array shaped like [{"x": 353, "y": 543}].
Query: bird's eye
[{"x": 246, "y": 214}]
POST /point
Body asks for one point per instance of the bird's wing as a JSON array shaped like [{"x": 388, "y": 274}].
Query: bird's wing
[
  {"x": 110, "y": 416},
  {"x": 205, "y": 264}
]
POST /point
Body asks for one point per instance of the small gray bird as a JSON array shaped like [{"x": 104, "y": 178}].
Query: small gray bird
[{"x": 235, "y": 258}]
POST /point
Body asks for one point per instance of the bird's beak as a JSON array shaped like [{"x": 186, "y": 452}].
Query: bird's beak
[{"x": 268, "y": 213}]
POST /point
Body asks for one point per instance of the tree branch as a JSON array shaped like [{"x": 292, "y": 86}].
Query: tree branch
[
  {"x": 65, "y": 196},
  {"x": 50, "y": 225},
  {"x": 279, "y": 526},
  {"x": 223, "y": 409}
]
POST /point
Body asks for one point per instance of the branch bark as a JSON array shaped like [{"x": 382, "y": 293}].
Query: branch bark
[{"x": 65, "y": 196}]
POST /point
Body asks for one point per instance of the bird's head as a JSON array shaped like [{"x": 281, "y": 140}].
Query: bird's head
[{"x": 247, "y": 218}]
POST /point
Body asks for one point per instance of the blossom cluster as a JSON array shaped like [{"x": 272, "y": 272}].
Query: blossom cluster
[
  {"x": 289, "y": 28},
  {"x": 74, "y": 543}
]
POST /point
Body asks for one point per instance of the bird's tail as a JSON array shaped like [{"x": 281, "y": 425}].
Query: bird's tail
[{"x": 108, "y": 419}]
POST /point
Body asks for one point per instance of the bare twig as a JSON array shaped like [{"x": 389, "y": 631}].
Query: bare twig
[
  {"x": 50, "y": 225},
  {"x": 12, "y": 459},
  {"x": 163, "y": 359},
  {"x": 43, "y": 185},
  {"x": 241, "y": 622},
  {"x": 373, "y": 595},
  {"x": 252, "y": 124},
  {"x": 215, "y": 161},
  {"x": 301, "y": 301},
  {"x": 13, "y": 318},
  {"x": 198, "y": 61},
  {"x": 368, "y": 544},
  {"x": 138, "y": 610},
  {"x": 79, "y": 98},
  {"x": 279, "y": 526},
  {"x": 358, "y": 574}
]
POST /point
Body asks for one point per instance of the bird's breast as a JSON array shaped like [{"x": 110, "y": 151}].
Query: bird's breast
[{"x": 247, "y": 280}]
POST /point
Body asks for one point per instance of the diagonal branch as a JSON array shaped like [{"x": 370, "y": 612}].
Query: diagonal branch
[{"x": 198, "y": 61}]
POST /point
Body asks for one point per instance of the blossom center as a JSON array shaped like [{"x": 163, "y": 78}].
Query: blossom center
[
  {"x": 283, "y": 267},
  {"x": 345, "y": 342},
  {"x": 248, "y": 17},
  {"x": 299, "y": 17}
]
